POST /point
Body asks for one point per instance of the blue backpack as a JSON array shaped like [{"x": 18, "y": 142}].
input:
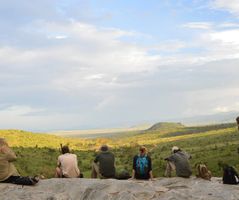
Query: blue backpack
[{"x": 142, "y": 165}]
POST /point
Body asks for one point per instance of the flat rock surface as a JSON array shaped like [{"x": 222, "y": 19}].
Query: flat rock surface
[{"x": 90, "y": 189}]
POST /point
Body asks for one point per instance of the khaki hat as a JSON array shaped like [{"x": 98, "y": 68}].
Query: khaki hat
[{"x": 175, "y": 148}]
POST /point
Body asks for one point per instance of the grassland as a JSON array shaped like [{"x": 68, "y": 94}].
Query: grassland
[{"x": 215, "y": 144}]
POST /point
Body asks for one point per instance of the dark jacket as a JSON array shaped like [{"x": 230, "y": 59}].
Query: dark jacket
[{"x": 147, "y": 169}]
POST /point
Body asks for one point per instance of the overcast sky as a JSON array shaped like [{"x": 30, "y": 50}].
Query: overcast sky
[{"x": 79, "y": 64}]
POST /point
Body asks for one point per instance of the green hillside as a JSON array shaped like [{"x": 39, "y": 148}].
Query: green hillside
[
  {"x": 165, "y": 126},
  {"x": 215, "y": 144}
]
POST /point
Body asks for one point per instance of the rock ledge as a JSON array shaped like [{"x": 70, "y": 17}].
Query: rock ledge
[{"x": 90, "y": 189}]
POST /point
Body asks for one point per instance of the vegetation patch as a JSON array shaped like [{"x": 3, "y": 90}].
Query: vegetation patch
[{"x": 214, "y": 145}]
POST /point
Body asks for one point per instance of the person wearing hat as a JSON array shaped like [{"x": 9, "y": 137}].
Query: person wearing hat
[
  {"x": 8, "y": 172},
  {"x": 142, "y": 165},
  {"x": 104, "y": 164},
  {"x": 179, "y": 162},
  {"x": 67, "y": 164}
]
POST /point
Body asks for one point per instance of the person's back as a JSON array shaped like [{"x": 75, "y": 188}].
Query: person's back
[
  {"x": 178, "y": 161},
  {"x": 237, "y": 120},
  {"x": 8, "y": 172},
  {"x": 7, "y": 168},
  {"x": 181, "y": 162},
  {"x": 142, "y": 165},
  {"x": 104, "y": 164},
  {"x": 69, "y": 165}
]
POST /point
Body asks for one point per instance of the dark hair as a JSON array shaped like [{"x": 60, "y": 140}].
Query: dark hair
[
  {"x": 237, "y": 119},
  {"x": 104, "y": 148},
  {"x": 175, "y": 151},
  {"x": 65, "y": 149}
]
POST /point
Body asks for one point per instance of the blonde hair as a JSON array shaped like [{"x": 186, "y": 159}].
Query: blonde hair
[
  {"x": 2, "y": 142},
  {"x": 143, "y": 149}
]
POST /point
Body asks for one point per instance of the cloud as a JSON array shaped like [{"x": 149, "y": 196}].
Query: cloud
[
  {"x": 58, "y": 37},
  {"x": 35, "y": 119},
  {"x": 88, "y": 55},
  {"x": 19, "y": 110},
  {"x": 229, "y": 25},
  {"x": 231, "y": 6},
  {"x": 69, "y": 78},
  {"x": 222, "y": 109},
  {"x": 106, "y": 102},
  {"x": 227, "y": 108},
  {"x": 212, "y": 101},
  {"x": 228, "y": 37},
  {"x": 94, "y": 77},
  {"x": 198, "y": 25},
  {"x": 64, "y": 70}
]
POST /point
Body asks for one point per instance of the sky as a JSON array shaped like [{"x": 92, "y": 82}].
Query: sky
[{"x": 81, "y": 64}]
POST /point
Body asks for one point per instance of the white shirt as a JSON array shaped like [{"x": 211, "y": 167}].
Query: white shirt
[{"x": 69, "y": 165}]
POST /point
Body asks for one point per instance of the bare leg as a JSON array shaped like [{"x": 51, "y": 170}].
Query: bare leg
[
  {"x": 58, "y": 173},
  {"x": 170, "y": 167},
  {"x": 95, "y": 170}
]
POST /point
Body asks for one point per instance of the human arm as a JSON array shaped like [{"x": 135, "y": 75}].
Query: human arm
[
  {"x": 96, "y": 159},
  {"x": 9, "y": 153},
  {"x": 151, "y": 175},
  {"x": 134, "y": 168},
  {"x": 188, "y": 155},
  {"x": 150, "y": 168},
  {"x": 59, "y": 161},
  {"x": 76, "y": 165},
  {"x": 170, "y": 158},
  {"x": 133, "y": 174}
]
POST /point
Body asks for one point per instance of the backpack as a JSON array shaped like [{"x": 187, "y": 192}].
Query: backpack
[
  {"x": 230, "y": 176},
  {"x": 123, "y": 175},
  {"x": 203, "y": 172},
  {"x": 142, "y": 165}
]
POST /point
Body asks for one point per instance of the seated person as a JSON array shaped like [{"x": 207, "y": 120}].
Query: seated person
[
  {"x": 178, "y": 161},
  {"x": 142, "y": 166},
  {"x": 237, "y": 120},
  {"x": 67, "y": 164},
  {"x": 8, "y": 172},
  {"x": 104, "y": 164}
]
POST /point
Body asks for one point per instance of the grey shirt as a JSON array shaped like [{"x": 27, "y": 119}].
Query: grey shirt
[{"x": 181, "y": 161}]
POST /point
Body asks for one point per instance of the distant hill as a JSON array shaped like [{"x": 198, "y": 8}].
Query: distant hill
[
  {"x": 119, "y": 132},
  {"x": 165, "y": 126},
  {"x": 106, "y": 133}
]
